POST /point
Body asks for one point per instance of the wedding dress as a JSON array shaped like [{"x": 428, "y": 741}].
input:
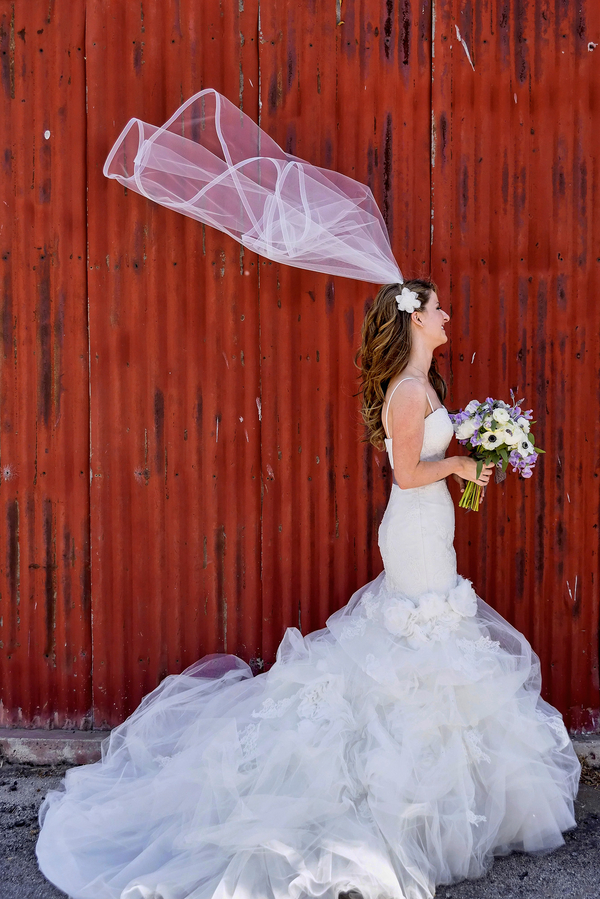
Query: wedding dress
[{"x": 402, "y": 746}]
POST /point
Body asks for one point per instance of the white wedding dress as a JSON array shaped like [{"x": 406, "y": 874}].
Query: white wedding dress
[{"x": 402, "y": 746}]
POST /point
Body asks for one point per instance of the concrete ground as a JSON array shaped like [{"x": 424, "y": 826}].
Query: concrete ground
[{"x": 572, "y": 871}]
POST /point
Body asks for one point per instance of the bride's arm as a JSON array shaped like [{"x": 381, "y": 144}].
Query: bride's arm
[{"x": 407, "y": 411}]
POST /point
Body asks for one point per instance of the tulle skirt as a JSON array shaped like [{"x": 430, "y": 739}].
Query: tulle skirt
[{"x": 401, "y": 747}]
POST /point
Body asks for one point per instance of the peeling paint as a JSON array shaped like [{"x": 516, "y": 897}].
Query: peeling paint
[{"x": 464, "y": 46}]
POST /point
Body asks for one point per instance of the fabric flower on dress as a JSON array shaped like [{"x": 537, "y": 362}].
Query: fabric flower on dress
[
  {"x": 434, "y": 618},
  {"x": 463, "y": 599},
  {"x": 408, "y": 300},
  {"x": 399, "y": 617},
  {"x": 432, "y": 606}
]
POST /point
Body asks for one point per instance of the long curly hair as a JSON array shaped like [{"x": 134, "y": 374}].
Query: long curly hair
[{"x": 385, "y": 350}]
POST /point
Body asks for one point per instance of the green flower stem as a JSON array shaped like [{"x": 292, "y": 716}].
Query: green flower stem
[{"x": 471, "y": 496}]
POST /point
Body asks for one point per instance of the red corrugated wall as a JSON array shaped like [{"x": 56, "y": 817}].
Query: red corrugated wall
[
  {"x": 208, "y": 397},
  {"x": 45, "y": 614},
  {"x": 516, "y": 251}
]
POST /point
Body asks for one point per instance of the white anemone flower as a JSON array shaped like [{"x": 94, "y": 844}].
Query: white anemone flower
[
  {"x": 523, "y": 424},
  {"x": 512, "y": 435},
  {"x": 501, "y": 416},
  {"x": 489, "y": 440},
  {"x": 525, "y": 447}
]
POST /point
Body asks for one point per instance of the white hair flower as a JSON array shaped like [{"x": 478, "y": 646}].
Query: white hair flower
[{"x": 408, "y": 300}]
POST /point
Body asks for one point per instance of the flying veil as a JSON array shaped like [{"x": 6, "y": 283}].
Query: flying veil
[{"x": 211, "y": 162}]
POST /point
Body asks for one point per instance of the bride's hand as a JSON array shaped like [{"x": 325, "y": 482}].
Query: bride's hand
[
  {"x": 460, "y": 481},
  {"x": 468, "y": 471}
]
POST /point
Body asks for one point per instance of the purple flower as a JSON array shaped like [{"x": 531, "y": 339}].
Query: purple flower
[{"x": 526, "y": 473}]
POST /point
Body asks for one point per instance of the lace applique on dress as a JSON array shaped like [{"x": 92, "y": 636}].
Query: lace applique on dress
[
  {"x": 365, "y": 612},
  {"x": 473, "y": 740},
  {"x": 555, "y": 724},
  {"x": 472, "y": 818},
  {"x": 355, "y": 628},
  {"x": 484, "y": 644},
  {"x": 475, "y": 656},
  {"x": 249, "y": 739},
  {"x": 314, "y": 703},
  {"x": 376, "y": 669},
  {"x": 363, "y": 808},
  {"x": 370, "y": 603},
  {"x": 273, "y": 709}
]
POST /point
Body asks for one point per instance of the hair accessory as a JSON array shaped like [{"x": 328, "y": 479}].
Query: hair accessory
[{"x": 408, "y": 300}]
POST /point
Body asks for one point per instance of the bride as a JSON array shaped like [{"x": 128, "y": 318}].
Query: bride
[{"x": 401, "y": 747}]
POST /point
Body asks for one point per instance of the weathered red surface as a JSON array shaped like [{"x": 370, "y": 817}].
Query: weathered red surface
[
  {"x": 516, "y": 251},
  {"x": 335, "y": 94},
  {"x": 230, "y": 495},
  {"x": 175, "y": 376},
  {"x": 45, "y": 640}
]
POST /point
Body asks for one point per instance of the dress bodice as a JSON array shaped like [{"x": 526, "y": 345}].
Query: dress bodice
[{"x": 436, "y": 437}]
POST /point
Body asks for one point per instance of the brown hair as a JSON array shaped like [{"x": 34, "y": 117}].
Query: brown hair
[{"x": 384, "y": 353}]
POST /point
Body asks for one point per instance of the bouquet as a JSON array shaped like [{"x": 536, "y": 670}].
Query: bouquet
[{"x": 497, "y": 434}]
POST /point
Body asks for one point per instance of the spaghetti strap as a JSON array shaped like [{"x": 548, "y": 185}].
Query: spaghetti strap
[{"x": 387, "y": 409}]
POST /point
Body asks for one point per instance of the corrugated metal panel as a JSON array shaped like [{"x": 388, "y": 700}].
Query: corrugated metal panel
[
  {"x": 516, "y": 252},
  {"x": 230, "y": 494},
  {"x": 176, "y": 488},
  {"x": 334, "y": 94},
  {"x": 45, "y": 655}
]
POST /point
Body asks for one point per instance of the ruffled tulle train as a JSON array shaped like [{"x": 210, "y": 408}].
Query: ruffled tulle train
[{"x": 401, "y": 747}]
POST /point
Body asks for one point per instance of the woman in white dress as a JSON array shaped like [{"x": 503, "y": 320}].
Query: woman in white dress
[{"x": 401, "y": 747}]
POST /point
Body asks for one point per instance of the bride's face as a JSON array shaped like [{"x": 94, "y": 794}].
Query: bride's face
[{"x": 433, "y": 320}]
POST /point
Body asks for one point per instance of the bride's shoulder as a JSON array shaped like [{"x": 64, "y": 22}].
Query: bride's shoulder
[
  {"x": 405, "y": 396},
  {"x": 405, "y": 389}
]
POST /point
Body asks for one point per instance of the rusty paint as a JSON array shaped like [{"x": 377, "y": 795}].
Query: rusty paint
[
  {"x": 176, "y": 450},
  {"x": 513, "y": 240},
  {"x": 230, "y": 495},
  {"x": 45, "y": 616}
]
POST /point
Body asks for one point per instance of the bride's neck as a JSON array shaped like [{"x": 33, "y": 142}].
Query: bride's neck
[{"x": 420, "y": 360}]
